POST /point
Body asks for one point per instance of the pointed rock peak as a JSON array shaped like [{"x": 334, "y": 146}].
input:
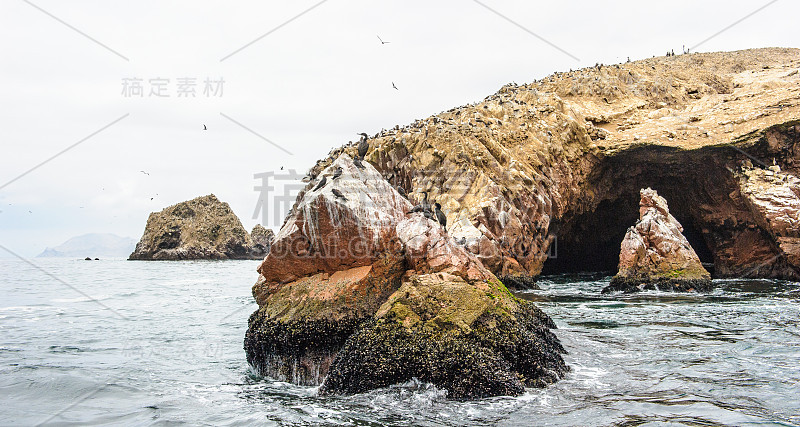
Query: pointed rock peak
[{"x": 655, "y": 255}]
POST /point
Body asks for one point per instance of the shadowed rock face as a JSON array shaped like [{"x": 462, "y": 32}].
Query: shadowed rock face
[
  {"x": 201, "y": 228},
  {"x": 543, "y": 162},
  {"x": 654, "y": 253},
  {"x": 351, "y": 280}
]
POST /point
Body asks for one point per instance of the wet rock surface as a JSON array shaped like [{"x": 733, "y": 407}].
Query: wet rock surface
[
  {"x": 472, "y": 339},
  {"x": 655, "y": 255},
  {"x": 201, "y": 228}
]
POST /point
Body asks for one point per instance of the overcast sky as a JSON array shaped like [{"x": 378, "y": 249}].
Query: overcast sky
[{"x": 306, "y": 83}]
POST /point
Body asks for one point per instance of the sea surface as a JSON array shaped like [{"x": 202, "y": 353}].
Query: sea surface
[{"x": 115, "y": 342}]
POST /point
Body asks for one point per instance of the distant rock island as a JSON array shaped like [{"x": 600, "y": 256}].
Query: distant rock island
[
  {"x": 201, "y": 228},
  {"x": 94, "y": 245}
]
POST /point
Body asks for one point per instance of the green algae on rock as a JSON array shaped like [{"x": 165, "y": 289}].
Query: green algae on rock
[{"x": 473, "y": 339}]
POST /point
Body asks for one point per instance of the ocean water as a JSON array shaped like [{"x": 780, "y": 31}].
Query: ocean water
[{"x": 160, "y": 343}]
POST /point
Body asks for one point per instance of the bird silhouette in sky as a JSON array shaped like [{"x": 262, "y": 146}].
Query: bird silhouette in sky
[
  {"x": 395, "y": 87},
  {"x": 204, "y": 127},
  {"x": 145, "y": 173},
  {"x": 382, "y": 42}
]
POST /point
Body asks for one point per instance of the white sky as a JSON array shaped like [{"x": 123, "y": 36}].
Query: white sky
[{"x": 308, "y": 86}]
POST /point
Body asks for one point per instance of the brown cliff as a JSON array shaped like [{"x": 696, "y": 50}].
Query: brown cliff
[{"x": 560, "y": 157}]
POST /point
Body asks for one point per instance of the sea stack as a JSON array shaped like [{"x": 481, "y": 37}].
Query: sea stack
[
  {"x": 201, "y": 228},
  {"x": 356, "y": 295},
  {"x": 656, "y": 255}
]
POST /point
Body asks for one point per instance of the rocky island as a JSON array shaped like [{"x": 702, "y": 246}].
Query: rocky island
[
  {"x": 356, "y": 293},
  {"x": 201, "y": 228}
]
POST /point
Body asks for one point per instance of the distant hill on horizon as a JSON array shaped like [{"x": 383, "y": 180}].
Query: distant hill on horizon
[{"x": 92, "y": 245}]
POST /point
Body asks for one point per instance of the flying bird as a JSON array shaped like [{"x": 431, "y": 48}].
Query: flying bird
[
  {"x": 204, "y": 127},
  {"x": 321, "y": 183},
  {"x": 281, "y": 167},
  {"x": 395, "y": 87},
  {"x": 338, "y": 194},
  {"x": 382, "y": 42},
  {"x": 145, "y": 173}
]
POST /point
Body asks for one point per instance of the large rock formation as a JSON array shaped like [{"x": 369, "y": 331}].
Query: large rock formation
[
  {"x": 201, "y": 228},
  {"x": 565, "y": 157},
  {"x": 655, "y": 255},
  {"x": 356, "y": 294}
]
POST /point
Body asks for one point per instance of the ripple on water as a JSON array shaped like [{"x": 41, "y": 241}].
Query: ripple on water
[{"x": 725, "y": 358}]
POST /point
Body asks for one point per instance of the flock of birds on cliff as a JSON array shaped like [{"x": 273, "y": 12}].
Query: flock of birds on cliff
[
  {"x": 519, "y": 110},
  {"x": 430, "y": 211}
]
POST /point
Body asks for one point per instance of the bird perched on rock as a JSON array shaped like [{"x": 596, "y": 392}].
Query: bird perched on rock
[
  {"x": 363, "y": 146},
  {"x": 440, "y": 216},
  {"x": 402, "y": 191},
  {"x": 321, "y": 183},
  {"x": 338, "y": 172},
  {"x": 423, "y": 207},
  {"x": 338, "y": 194},
  {"x": 358, "y": 163}
]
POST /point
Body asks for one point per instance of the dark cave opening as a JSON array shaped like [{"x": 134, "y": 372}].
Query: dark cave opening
[
  {"x": 695, "y": 238},
  {"x": 590, "y": 242}
]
